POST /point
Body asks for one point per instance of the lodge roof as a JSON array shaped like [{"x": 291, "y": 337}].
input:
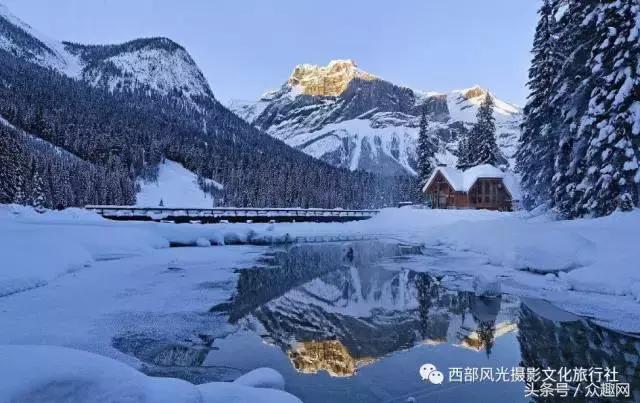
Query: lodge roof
[{"x": 462, "y": 181}]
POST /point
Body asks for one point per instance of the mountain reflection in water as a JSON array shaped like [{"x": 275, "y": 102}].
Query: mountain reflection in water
[
  {"x": 351, "y": 322},
  {"x": 338, "y": 308},
  {"x": 333, "y": 308}
]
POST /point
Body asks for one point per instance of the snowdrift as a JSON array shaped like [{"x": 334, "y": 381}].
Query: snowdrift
[
  {"x": 37, "y": 248},
  {"x": 57, "y": 374}
]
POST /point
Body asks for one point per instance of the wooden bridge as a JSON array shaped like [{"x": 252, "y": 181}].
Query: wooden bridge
[{"x": 230, "y": 214}]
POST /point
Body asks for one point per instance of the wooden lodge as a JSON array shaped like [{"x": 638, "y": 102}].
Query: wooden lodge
[{"x": 479, "y": 187}]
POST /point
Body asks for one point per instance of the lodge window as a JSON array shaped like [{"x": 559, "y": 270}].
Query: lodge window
[{"x": 485, "y": 192}]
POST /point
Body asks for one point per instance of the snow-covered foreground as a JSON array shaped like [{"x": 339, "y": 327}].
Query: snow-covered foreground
[
  {"x": 76, "y": 280},
  {"x": 38, "y": 248},
  {"x": 56, "y": 374}
]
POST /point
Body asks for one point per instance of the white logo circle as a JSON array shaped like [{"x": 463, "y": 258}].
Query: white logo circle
[{"x": 436, "y": 377}]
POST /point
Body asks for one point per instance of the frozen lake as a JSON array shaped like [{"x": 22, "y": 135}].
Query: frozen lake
[{"x": 354, "y": 321}]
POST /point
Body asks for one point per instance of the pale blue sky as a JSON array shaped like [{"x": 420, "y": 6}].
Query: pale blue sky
[{"x": 246, "y": 47}]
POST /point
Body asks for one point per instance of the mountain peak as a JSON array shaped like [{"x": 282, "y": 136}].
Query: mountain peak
[
  {"x": 155, "y": 64},
  {"x": 474, "y": 92},
  {"x": 329, "y": 80}
]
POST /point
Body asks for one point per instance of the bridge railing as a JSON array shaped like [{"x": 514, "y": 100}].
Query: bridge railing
[{"x": 221, "y": 212}]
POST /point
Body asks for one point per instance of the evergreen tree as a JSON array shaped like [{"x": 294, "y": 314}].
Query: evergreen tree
[
  {"x": 426, "y": 149},
  {"x": 10, "y": 168},
  {"x": 37, "y": 198},
  {"x": 596, "y": 164},
  {"x": 481, "y": 146},
  {"x": 464, "y": 153},
  {"x": 536, "y": 156},
  {"x": 612, "y": 173},
  {"x": 570, "y": 96}
]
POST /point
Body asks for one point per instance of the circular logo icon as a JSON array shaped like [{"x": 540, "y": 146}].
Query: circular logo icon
[{"x": 429, "y": 372}]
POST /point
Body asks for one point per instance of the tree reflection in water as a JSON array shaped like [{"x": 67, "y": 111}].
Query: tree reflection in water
[{"x": 549, "y": 342}]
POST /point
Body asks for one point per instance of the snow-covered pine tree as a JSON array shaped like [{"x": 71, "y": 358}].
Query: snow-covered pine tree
[
  {"x": 426, "y": 149},
  {"x": 536, "y": 156},
  {"x": 482, "y": 145},
  {"x": 37, "y": 197},
  {"x": 612, "y": 121},
  {"x": 570, "y": 96},
  {"x": 20, "y": 196},
  {"x": 11, "y": 168},
  {"x": 464, "y": 156}
]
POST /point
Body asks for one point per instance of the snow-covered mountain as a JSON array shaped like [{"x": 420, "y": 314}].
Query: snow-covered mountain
[
  {"x": 350, "y": 118},
  {"x": 149, "y": 64},
  {"x": 20, "y": 39},
  {"x": 155, "y": 64}
]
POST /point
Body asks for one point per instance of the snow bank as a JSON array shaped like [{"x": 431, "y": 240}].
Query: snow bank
[
  {"x": 57, "y": 374},
  {"x": 232, "y": 393},
  {"x": 509, "y": 240},
  {"x": 37, "y": 248},
  {"x": 517, "y": 244},
  {"x": 262, "y": 378},
  {"x": 614, "y": 269},
  {"x": 589, "y": 255}
]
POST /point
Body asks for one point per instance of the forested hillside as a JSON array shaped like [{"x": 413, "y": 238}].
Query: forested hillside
[{"x": 122, "y": 125}]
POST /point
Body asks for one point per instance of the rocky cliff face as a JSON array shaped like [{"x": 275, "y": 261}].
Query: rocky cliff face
[
  {"x": 353, "y": 119},
  {"x": 331, "y": 80}
]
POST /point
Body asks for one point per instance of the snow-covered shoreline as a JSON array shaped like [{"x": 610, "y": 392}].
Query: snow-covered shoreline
[
  {"x": 52, "y": 374},
  {"x": 591, "y": 256}
]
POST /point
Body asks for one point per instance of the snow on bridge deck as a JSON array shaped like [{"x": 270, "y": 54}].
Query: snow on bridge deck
[{"x": 230, "y": 214}]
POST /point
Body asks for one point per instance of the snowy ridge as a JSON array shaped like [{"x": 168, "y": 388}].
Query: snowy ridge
[
  {"x": 463, "y": 105},
  {"x": 154, "y": 64},
  {"x": 352, "y": 119},
  {"x": 21, "y": 39}
]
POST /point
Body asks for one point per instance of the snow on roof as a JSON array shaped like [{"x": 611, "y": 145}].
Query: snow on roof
[{"x": 461, "y": 181}]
